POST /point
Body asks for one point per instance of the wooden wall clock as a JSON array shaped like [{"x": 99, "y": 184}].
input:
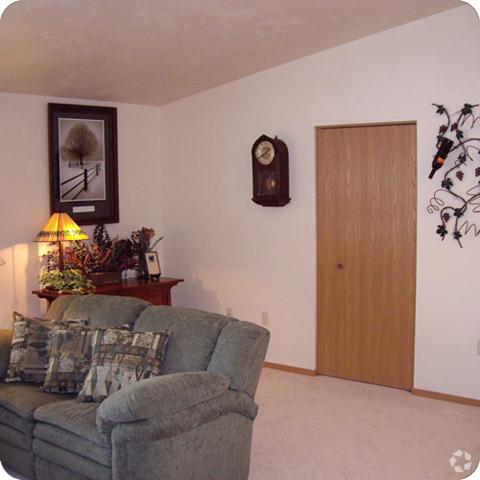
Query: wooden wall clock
[{"x": 270, "y": 172}]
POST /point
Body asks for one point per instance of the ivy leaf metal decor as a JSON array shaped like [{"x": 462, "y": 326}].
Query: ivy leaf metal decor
[
  {"x": 442, "y": 231},
  {"x": 447, "y": 184},
  {"x": 451, "y": 201}
]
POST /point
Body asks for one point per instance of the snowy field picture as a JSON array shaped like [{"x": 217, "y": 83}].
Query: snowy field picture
[{"x": 82, "y": 160}]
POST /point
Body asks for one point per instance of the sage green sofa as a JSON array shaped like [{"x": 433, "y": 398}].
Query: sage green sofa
[{"x": 193, "y": 422}]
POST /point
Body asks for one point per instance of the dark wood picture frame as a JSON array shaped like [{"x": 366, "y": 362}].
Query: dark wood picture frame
[{"x": 84, "y": 162}]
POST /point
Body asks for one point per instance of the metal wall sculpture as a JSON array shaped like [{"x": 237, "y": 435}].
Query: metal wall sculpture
[{"x": 460, "y": 186}]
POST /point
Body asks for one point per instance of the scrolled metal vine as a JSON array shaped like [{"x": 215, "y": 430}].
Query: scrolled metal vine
[{"x": 454, "y": 175}]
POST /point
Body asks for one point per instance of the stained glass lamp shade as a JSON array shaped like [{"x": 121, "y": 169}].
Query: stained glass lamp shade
[{"x": 60, "y": 228}]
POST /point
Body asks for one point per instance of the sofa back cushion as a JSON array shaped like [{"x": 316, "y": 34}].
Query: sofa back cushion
[
  {"x": 103, "y": 311},
  {"x": 239, "y": 354},
  {"x": 193, "y": 335},
  {"x": 58, "y": 307}
]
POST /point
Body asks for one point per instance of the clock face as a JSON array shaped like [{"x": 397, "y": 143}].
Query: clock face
[{"x": 265, "y": 153}]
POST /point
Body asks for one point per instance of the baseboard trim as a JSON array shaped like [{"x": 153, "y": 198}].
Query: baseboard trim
[
  {"x": 286, "y": 368},
  {"x": 415, "y": 391},
  {"x": 445, "y": 397}
]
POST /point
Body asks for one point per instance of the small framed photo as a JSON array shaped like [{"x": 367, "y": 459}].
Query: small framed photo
[{"x": 153, "y": 265}]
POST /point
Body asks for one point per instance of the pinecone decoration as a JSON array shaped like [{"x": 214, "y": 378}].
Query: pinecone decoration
[
  {"x": 446, "y": 217},
  {"x": 460, "y": 175},
  {"x": 477, "y": 172}
]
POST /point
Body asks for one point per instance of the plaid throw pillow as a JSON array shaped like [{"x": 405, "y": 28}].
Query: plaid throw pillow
[
  {"x": 70, "y": 358},
  {"x": 121, "y": 357},
  {"x": 30, "y": 350}
]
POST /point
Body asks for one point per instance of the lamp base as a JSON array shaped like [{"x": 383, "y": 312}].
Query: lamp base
[{"x": 61, "y": 264}]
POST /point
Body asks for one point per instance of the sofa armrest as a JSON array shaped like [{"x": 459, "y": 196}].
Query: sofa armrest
[
  {"x": 5, "y": 344},
  {"x": 161, "y": 427},
  {"x": 159, "y": 396}
]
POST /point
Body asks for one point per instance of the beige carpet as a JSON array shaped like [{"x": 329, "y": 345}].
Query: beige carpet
[
  {"x": 315, "y": 428},
  {"x": 328, "y": 429}
]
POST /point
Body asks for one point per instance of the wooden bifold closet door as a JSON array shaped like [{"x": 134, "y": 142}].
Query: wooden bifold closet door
[{"x": 366, "y": 238}]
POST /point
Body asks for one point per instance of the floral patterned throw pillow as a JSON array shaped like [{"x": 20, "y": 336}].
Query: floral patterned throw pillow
[{"x": 121, "y": 357}]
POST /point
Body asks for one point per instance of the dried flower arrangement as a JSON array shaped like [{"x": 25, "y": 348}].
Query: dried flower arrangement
[
  {"x": 103, "y": 259},
  {"x": 102, "y": 254}
]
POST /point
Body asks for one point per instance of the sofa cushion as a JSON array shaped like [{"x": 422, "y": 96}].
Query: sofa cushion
[
  {"x": 121, "y": 357},
  {"x": 17, "y": 404},
  {"x": 74, "y": 417},
  {"x": 69, "y": 428},
  {"x": 70, "y": 461},
  {"x": 239, "y": 354},
  {"x": 193, "y": 335},
  {"x": 104, "y": 311},
  {"x": 11, "y": 419},
  {"x": 29, "y": 352},
  {"x": 58, "y": 306},
  {"x": 46, "y": 470},
  {"x": 23, "y": 399},
  {"x": 17, "y": 459},
  {"x": 15, "y": 438},
  {"x": 73, "y": 443}
]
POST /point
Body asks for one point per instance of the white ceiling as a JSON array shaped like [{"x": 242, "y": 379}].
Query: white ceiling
[{"x": 155, "y": 51}]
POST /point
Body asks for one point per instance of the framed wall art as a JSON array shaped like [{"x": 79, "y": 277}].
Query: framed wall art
[{"x": 84, "y": 162}]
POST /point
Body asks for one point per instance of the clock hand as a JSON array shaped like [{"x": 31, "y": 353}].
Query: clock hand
[{"x": 263, "y": 154}]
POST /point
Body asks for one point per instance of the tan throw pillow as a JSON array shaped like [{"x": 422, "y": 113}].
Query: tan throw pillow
[
  {"x": 70, "y": 358},
  {"x": 120, "y": 357},
  {"x": 30, "y": 350}
]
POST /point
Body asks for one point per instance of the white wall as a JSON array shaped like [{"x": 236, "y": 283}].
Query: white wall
[
  {"x": 24, "y": 192},
  {"x": 233, "y": 253},
  {"x": 253, "y": 259}
]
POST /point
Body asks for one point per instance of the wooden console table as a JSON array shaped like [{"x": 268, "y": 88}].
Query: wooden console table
[{"x": 156, "y": 292}]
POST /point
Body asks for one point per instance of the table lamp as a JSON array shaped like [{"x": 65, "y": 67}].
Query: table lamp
[{"x": 60, "y": 228}]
